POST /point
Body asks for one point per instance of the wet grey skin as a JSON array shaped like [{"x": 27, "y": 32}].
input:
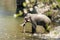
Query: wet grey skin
[{"x": 37, "y": 19}]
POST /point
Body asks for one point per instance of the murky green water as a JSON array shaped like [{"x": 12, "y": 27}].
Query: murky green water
[{"x": 10, "y": 28}]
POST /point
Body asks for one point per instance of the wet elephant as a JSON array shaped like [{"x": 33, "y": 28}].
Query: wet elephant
[{"x": 37, "y": 19}]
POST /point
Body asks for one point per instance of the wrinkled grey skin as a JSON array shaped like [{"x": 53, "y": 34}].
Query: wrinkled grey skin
[{"x": 37, "y": 19}]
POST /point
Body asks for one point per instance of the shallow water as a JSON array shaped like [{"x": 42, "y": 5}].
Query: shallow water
[{"x": 10, "y": 28}]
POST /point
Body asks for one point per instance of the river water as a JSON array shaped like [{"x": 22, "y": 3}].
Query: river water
[{"x": 10, "y": 28}]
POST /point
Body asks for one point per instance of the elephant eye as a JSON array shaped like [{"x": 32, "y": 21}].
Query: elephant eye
[{"x": 26, "y": 18}]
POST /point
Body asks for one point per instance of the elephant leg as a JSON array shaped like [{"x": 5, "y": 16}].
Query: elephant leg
[
  {"x": 46, "y": 27},
  {"x": 33, "y": 27}
]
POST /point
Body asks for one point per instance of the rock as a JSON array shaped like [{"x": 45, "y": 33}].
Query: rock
[{"x": 55, "y": 34}]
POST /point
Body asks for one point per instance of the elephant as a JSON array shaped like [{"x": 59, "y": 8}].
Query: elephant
[{"x": 37, "y": 19}]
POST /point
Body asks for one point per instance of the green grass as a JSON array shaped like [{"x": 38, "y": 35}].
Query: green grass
[{"x": 58, "y": 0}]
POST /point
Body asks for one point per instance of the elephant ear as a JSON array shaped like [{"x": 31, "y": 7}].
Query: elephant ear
[{"x": 29, "y": 14}]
